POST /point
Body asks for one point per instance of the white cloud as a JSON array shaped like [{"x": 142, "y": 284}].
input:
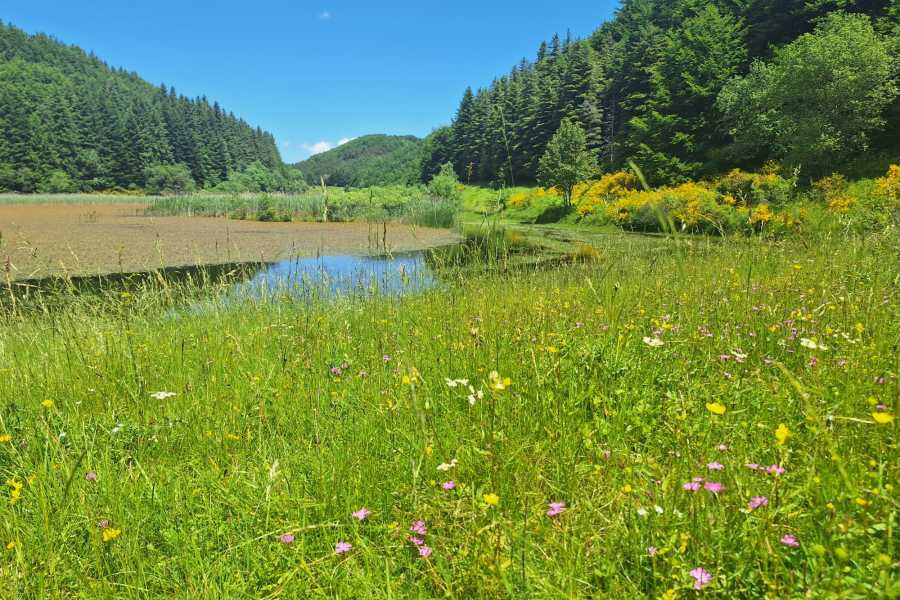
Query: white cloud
[
  {"x": 325, "y": 15},
  {"x": 311, "y": 149},
  {"x": 317, "y": 147}
]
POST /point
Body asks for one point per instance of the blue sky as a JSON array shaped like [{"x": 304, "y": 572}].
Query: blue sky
[{"x": 315, "y": 72}]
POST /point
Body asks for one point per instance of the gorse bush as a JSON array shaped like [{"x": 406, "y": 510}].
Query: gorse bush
[
  {"x": 609, "y": 188},
  {"x": 738, "y": 202},
  {"x": 750, "y": 189}
]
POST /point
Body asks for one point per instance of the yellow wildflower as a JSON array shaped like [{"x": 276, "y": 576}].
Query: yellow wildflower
[
  {"x": 48, "y": 404},
  {"x": 715, "y": 408},
  {"x": 883, "y": 418},
  {"x": 782, "y": 434},
  {"x": 5, "y": 438},
  {"x": 15, "y": 491},
  {"x": 491, "y": 499},
  {"x": 109, "y": 534}
]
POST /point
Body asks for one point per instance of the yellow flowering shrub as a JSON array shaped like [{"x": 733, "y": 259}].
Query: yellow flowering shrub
[
  {"x": 761, "y": 215},
  {"x": 830, "y": 187},
  {"x": 888, "y": 187},
  {"x": 841, "y": 203},
  {"x": 690, "y": 206},
  {"x": 756, "y": 188},
  {"x": 525, "y": 198},
  {"x": 592, "y": 195},
  {"x": 518, "y": 199}
]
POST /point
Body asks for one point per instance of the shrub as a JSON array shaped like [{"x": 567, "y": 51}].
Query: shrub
[
  {"x": 888, "y": 187},
  {"x": 592, "y": 195},
  {"x": 751, "y": 189},
  {"x": 57, "y": 182},
  {"x": 445, "y": 185},
  {"x": 169, "y": 179}
]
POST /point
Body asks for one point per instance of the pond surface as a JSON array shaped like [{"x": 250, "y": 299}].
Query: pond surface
[
  {"x": 331, "y": 276},
  {"x": 320, "y": 277}
]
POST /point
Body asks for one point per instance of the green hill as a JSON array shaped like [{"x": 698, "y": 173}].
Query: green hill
[
  {"x": 70, "y": 122},
  {"x": 366, "y": 161}
]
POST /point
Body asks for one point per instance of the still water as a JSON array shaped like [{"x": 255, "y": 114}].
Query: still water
[
  {"x": 320, "y": 277},
  {"x": 341, "y": 276}
]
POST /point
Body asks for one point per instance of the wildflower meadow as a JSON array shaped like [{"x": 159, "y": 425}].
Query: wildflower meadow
[{"x": 680, "y": 417}]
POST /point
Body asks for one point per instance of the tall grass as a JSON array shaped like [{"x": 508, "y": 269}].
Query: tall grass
[
  {"x": 408, "y": 204},
  {"x": 627, "y": 376}
]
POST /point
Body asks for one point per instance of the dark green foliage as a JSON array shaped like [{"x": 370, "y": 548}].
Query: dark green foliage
[
  {"x": 437, "y": 150},
  {"x": 819, "y": 98},
  {"x": 644, "y": 88},
  {"x": 169, "y": 179},
  {"x": 257, "y": 178},
  {"x": 371, "y": 160},
  {"x": 69, "y": 122}
]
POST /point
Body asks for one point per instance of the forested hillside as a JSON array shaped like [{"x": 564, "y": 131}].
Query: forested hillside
[
  {"x": 69, "y": 122},
  {"x": 688, "y": 88},
  {"x": 371, "y": 160}
]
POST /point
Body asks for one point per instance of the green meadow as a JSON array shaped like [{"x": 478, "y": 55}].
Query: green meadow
[{"x": 578, "y": 429}]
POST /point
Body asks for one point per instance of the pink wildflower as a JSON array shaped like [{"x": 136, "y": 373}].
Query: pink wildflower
[
  {"x": 758, "y": 502},
  {"x": 286, "y": 538},
  {"x": 415, "y": 541},
  {"x": 651, "y": 551},
  {"x": 691, "y": 486},
  {"x": 556, "y": 509},
  {"x": 448, "y": 485},
  {"x": 752, "y": 466},
  {"x": 362, "y": 514},
  {"x": 419, "y": 527},
  {"x": 713, "y": 487},
  {"x": 701, "y": 578},
  {"x": 790, "y": 541},
  {"x": 715, "y": 466},
  {"x": 342, "y": 548},
  {"x": 424, "y": 551},
  {"x": 722, "y": 448},
  {"x": 775, "y": 470},
  {"x": 90, "y": 476}
]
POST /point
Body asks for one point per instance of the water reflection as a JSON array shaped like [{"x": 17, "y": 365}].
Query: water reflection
[
  {"x": 341, "y": 276},
  {"x": 318, "y": 277}
]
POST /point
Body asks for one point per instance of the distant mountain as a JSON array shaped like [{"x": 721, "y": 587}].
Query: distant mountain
[
  {"x": 366, "y": 161},
  {"x": 70, "y": 122}
]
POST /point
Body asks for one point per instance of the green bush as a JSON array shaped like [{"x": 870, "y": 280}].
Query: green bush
[
  {"x": 445, "y": 185},
  {"x": 169, "y": 179}
]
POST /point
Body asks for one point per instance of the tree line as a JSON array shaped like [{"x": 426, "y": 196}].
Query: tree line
[
  {"x": 688, "y": 88},
  {"x": 69, "y": 122}
]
